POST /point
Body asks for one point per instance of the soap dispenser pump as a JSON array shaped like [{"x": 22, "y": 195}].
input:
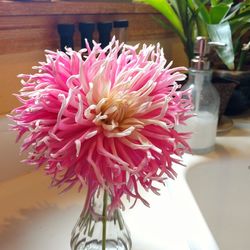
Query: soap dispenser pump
[{"x": 205, "y": 98}]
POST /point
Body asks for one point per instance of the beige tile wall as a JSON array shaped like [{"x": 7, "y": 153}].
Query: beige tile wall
[{"x": 10, "y": 66}]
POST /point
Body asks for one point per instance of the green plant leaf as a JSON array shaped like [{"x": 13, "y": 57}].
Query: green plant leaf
[
  {"x": 237, "y": 39},
  {"x": 240, "y": 21},
  {"x": 201, "y": 27},
  {"x": 214, "y": 2},
  {"x": 226, "y": 1},
  {"x": 183, "y": 12},
  {"x": 218, "y": 13},
  {"x": 244, "y": 16},
  {"x": 166, "y": 9},
  {"x": 191, "y": 5},
  {"x": 183, "y": 16},
  {"x": 233, "y": 11},
  {"x": 202, "y": 10},
  {"x": 222, "y": 33},
  {"x": 174, "y": 5}
]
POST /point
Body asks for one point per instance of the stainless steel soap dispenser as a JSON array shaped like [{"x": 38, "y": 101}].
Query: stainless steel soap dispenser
[{"x": 203, "y": 123}]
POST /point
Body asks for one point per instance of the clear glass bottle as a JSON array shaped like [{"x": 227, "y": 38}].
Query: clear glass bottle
[
  {"x": 205, "y": 111},
  {"x": 88, "y": 231},
  {"x": 206, "y": 101}
]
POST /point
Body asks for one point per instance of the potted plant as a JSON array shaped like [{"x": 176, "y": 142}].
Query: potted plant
[
  {"x": 220, "y": 20},
  {"x": 240, "y": 72},
  {"x": 233, "y": 64}
]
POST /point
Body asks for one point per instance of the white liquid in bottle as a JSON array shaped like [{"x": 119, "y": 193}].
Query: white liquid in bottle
[{"x": 203, "y": 126}]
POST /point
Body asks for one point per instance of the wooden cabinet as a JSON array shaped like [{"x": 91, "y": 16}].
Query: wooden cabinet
[{"x": 27, "y": 26}]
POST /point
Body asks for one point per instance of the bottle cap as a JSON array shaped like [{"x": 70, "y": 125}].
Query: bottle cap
[
  {"x": 66, "y": 29},
  {"x": 86, "y": 27},
  {"x": 201, "y": 46},
  {"x": 201, "y": 50},
  {"x": 121, "y": 24}
]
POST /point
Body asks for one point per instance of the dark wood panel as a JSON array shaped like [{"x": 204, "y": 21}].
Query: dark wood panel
[
  {"x": 59, "y": 8},
  {"x": 27, "y": 33}
]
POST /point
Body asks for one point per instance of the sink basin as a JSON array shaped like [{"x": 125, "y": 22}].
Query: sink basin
[
  {"x": 205, "y": 208},
  {"x": 220, "y": 184},
  {"x": 35, "y": 217}
]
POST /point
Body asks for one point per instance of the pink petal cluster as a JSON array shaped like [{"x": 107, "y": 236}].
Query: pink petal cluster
[{"x": 104, "y": 117}]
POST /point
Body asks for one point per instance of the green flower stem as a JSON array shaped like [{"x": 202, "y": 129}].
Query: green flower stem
[
  {"x": 104, "y": 219},
  {"x": 120, "y": 222}
]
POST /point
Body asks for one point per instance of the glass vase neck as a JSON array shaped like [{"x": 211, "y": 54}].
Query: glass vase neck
[{"x": 100, "y": 227}]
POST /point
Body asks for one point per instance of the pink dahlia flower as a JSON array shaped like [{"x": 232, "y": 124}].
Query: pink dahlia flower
[{"x": 104, "y": 119}]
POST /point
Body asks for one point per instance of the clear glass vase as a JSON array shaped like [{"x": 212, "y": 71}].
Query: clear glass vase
[{"x": 99, "y": 228}]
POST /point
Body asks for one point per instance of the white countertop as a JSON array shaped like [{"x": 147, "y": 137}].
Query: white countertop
[{"x": 35, "y": 217}]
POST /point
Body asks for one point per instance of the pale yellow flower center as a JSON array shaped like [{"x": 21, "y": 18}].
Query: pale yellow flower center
[
  {"x": 116, "y": 110},
  {"x": 115, "y": 114}
]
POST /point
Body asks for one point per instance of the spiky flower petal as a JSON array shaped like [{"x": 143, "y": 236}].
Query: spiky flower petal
[{"x": 104, "y": 119}]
